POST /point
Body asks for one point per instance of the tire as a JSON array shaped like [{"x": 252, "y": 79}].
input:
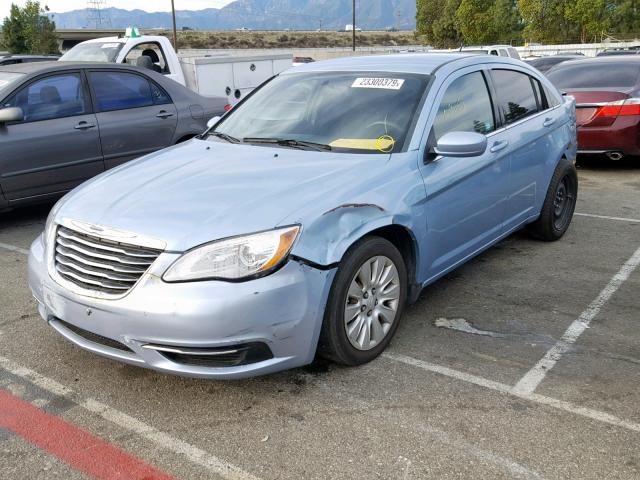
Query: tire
[
  {"x": 370, "y": 313},
  {"x": 559, "y": 204}
]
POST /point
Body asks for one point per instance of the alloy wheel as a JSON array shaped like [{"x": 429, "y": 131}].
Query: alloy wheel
[{"x": 372, "y": 302}]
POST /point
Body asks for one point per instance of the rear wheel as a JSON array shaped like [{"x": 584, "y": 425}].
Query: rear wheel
[
  {"x": 559, "y": 204},
  {"x": 365, "y": 303}
]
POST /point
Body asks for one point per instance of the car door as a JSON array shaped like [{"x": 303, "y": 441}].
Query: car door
[
  {"x": 465, "y": 196},
  {"x": 521, "y": 107},
  {"x": 136, "y": 116},
  {"x": 57, "y": 145}
]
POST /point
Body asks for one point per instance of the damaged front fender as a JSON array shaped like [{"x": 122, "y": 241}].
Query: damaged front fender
[{"x": 325, "y": 241}]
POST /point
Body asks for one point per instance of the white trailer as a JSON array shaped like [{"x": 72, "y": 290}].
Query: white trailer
[
  {"x": 235, "y": 76},
  {"x": 210, "y": 74}
]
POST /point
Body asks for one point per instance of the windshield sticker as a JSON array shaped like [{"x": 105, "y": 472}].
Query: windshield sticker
[
  {"x": 383, "y": 144},
  {"x": 384, "y": 83},
  {"x": 110, "y": 45}
]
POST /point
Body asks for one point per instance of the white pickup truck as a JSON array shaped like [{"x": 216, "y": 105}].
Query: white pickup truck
[{"x": 208, "y": 73}]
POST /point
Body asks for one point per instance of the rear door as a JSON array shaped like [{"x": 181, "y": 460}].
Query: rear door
[
  {"x": 529, "y": 125},
  {"x": 136, "y": 116},
  {"x": 57, "y": 145},
  {"x": 465, "y": 196}
]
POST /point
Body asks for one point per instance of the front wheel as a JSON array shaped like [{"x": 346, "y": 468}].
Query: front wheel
[
  {"x": 365, "y": 303},
  {"x": 559, "y": 204}
]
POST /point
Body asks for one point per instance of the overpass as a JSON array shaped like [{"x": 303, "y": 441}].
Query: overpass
[{"x": 68, "y": 38}]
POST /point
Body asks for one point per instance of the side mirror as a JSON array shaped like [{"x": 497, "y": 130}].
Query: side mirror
[
  {"x": 461, "y": 144},
  {"x": 213, "y": 121},
  {"x": 11, "y": 114}
]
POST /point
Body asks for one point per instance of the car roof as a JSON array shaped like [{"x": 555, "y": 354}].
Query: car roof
[
  {"x": 613, "y": 59},
  {"x": 56, "y": 66},
  {"x": 13, "y": 55},
  {"x": 422, "y": 63}
]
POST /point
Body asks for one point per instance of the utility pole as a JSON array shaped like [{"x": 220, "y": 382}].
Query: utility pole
[
  {"x": 353, "y": 25},
  {"x": 175, "y": 33}
]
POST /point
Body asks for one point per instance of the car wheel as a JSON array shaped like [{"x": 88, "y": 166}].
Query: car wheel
[
  {"x": 559, "y": 204},
  {"x": 365, "y": 302}
]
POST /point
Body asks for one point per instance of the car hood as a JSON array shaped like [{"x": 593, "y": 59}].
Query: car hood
[{"x": 201, "y": 191}]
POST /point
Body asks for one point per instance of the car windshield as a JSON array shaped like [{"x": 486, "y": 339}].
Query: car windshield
[
  {"x": 93, "y": 52},
  {"x": 7, "y": 79},
  {"x": 361, "y": 112},
  {"x": 594, "y": 75}
]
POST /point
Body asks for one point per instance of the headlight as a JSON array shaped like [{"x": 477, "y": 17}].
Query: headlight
[{"x": 234, "y": 258}]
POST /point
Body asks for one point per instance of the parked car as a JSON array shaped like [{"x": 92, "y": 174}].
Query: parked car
[
  {"x": 306, "y": 218},
  {"x": 297, "y": 61},
  {"x": 62, "y": 123},
  {"x": 619, "y": 51},
  {"x": 607, "y": 92},
  {"x": 544, "y": 64},
  {"x": 13, "y": 59},
  {"x": 497, "y": 50}
]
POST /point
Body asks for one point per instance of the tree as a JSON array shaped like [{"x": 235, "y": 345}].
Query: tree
[
  {"x": 546, "y": 21},
  {"x": 593, "y": 17},
  {"x": 29, "y": 30},
  {"x": 445, "y": 28},
  {"x": 427, "y": 13},
  {"x": 475, "y": 21},
  {"x": 506, "y": 21},
  {"x": 627, "y": 17}
]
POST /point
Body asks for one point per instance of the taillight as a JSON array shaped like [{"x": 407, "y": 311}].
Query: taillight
[
  {"x": 228, "y": 107},
  {"x": 620, "y": 108}
]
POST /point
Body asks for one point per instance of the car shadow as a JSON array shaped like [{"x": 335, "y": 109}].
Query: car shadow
[{"x": 602, "y": 163}]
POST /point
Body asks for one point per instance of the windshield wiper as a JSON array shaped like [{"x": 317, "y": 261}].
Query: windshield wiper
[
  {"x": 290, "y": 142},
  {"x": 225, "y": 136}
]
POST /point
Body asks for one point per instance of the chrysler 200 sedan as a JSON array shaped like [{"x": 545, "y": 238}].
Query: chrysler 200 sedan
[{"x": 305, "y": 219}]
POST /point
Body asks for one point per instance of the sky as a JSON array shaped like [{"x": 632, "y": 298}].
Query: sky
[{"x": 150, "y": 6}]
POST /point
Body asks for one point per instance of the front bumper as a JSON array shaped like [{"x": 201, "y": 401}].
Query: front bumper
[{"x": 283, "y": 311}]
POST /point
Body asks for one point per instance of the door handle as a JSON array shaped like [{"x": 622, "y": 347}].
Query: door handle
[
  {"x": 84, "y": 126},
  {"x": 548, "y": 122},
  {"x": 164, "y": 114},
  {"x": 497, "y": 146}
]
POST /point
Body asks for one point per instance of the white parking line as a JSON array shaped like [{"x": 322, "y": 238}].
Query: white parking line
[
  {"x": 508, "y": 390},
  {"x": 163, "y": 440},
  {"x": 530, "y": 381},
  {"x": 516, "y": 470},
  {"x": 13, "y": 248},
  {"x": 605, "y": 217}
]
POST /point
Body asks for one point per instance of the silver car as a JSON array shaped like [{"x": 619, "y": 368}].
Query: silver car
[{"x": 63, "y": 123}]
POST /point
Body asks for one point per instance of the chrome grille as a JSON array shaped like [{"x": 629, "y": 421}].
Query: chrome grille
[{"x": 101, "y": 265}]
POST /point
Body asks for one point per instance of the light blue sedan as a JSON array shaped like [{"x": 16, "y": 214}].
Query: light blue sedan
[{"x": 309, "y": 216}]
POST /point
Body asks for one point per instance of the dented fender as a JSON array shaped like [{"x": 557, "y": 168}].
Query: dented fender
[{"x": 328, "y": 233}]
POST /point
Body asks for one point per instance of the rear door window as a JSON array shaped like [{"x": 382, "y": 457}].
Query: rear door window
[
  {"x": 516, "y": 96},
  {"x": 120, "y": 90},
  {"x": 465, "y": 106}
]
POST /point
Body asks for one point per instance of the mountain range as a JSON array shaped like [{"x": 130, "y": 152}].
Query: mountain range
[{"x": 257, "y": 15}]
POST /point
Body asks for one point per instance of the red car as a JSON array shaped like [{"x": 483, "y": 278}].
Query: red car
[{"x": 607, "y": 93}]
